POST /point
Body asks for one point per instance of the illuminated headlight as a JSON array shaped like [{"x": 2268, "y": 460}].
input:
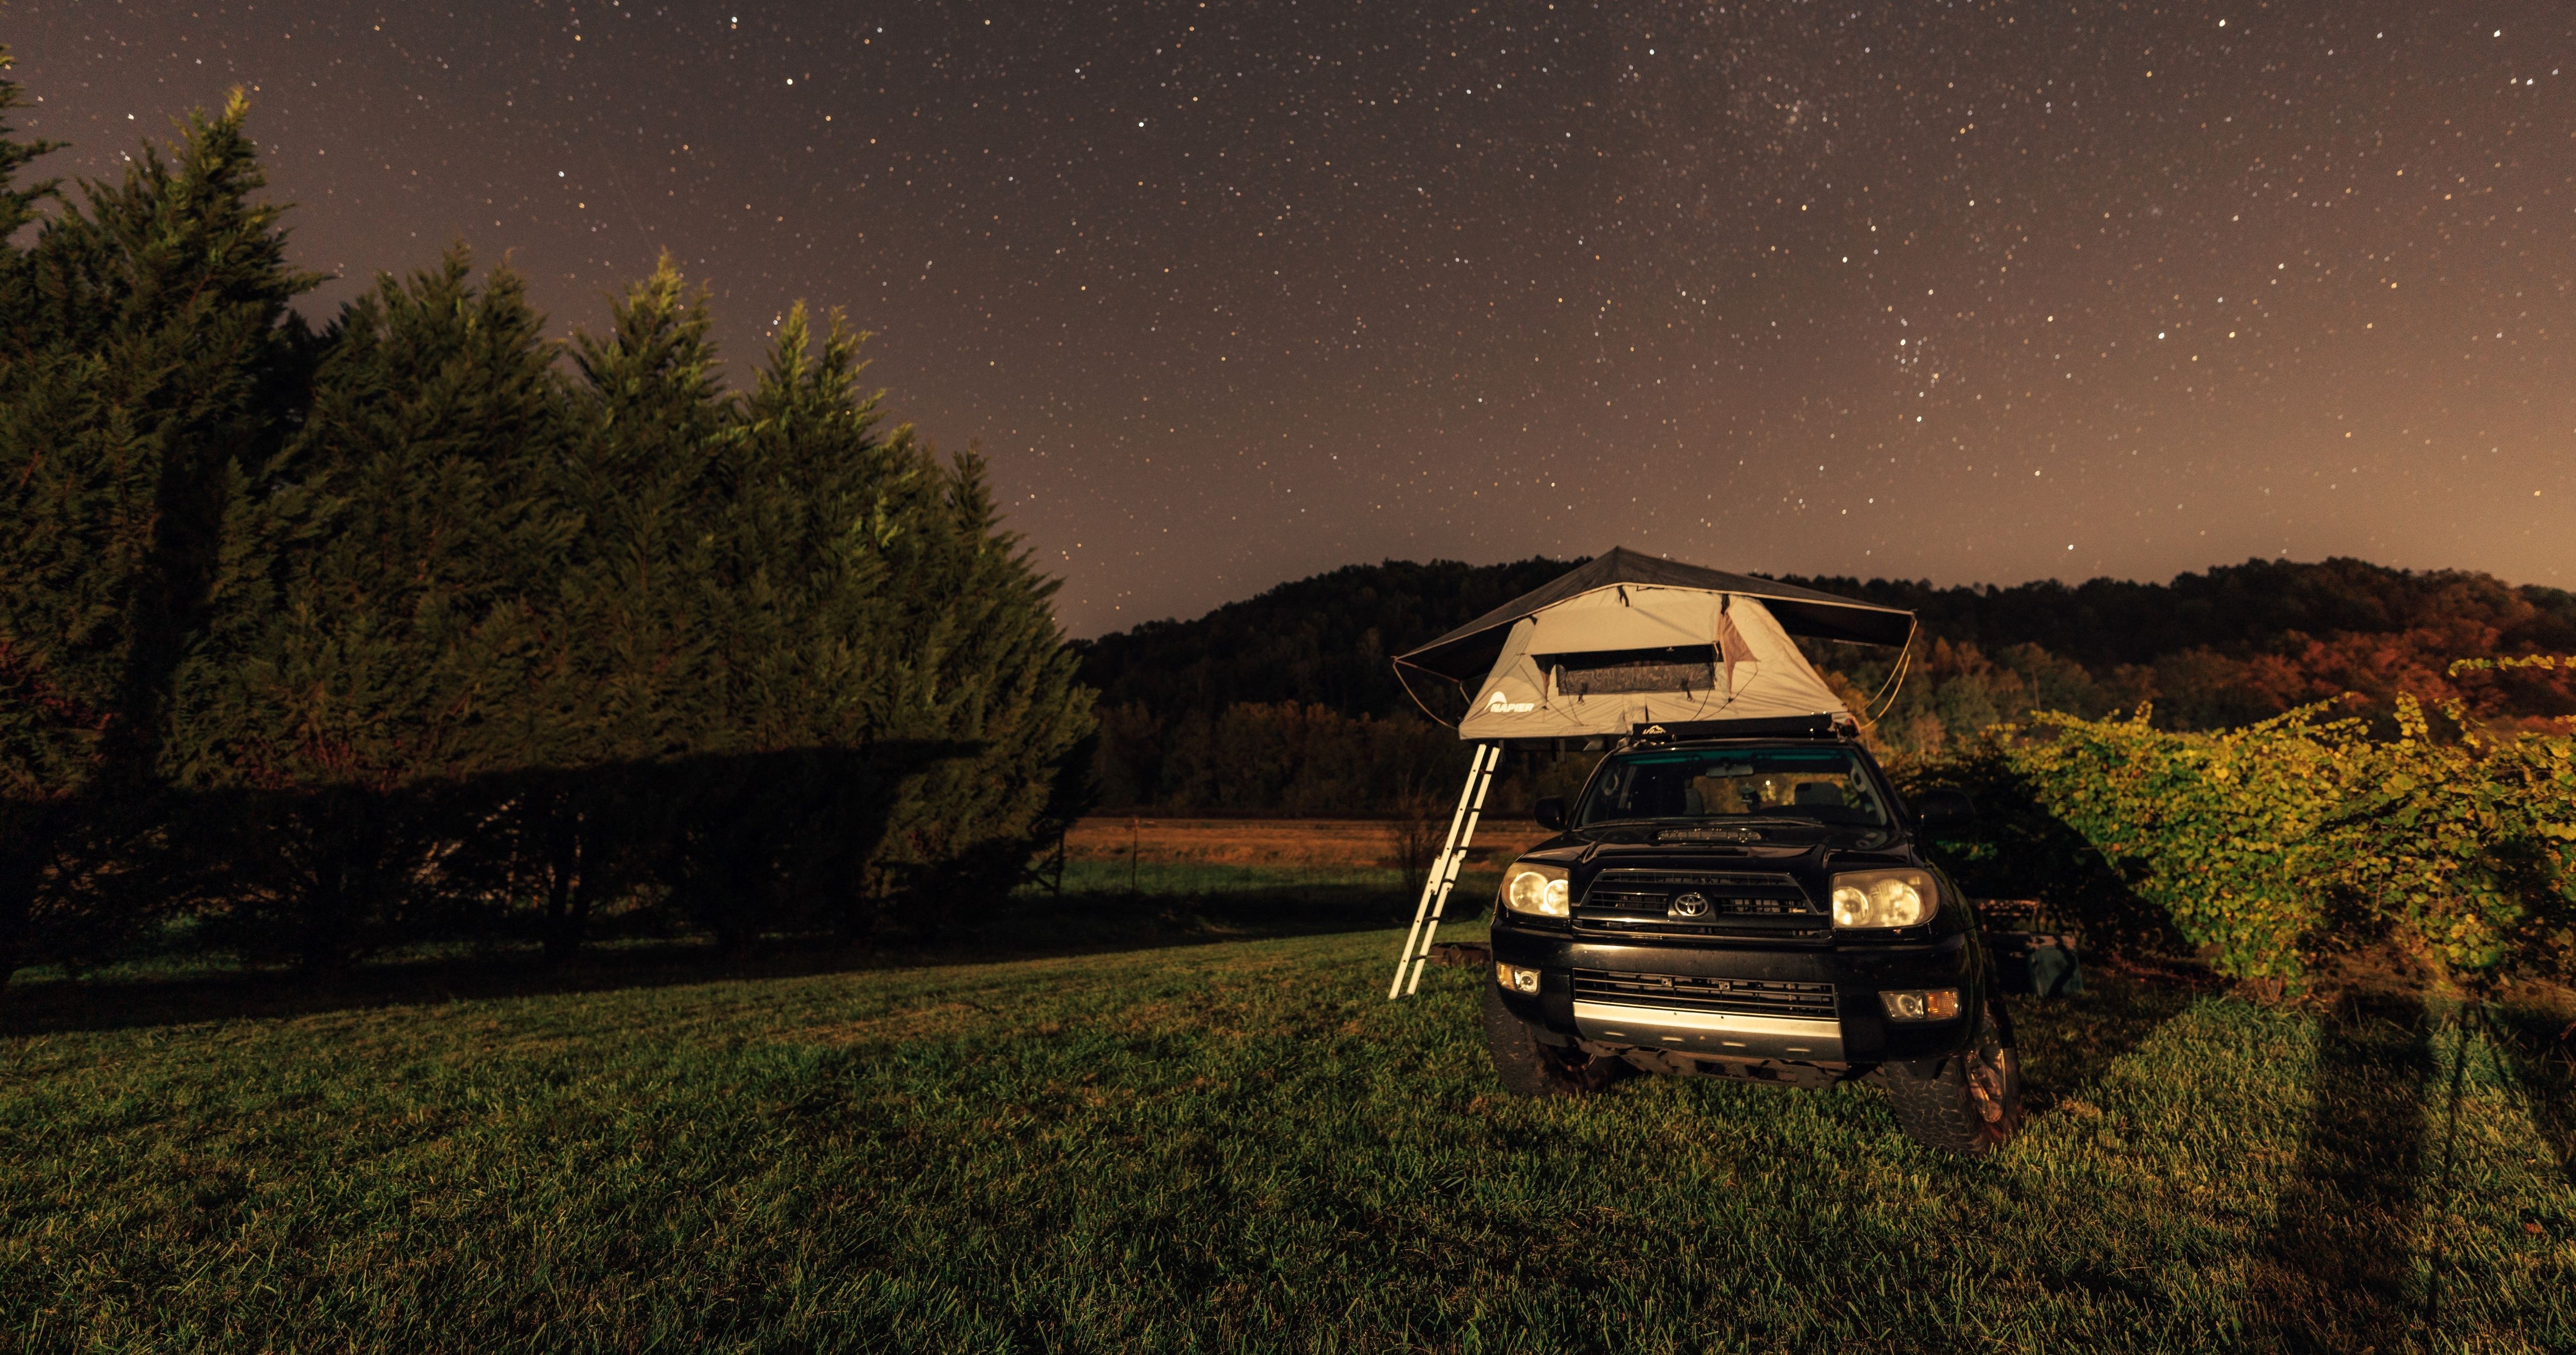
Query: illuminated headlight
[
  {"x": 1538, "y": 890},
  {"x": 1885, "y": 898},
  {"x": 1920, "y": 1004},
  {"x": 1516, "y": 979}
]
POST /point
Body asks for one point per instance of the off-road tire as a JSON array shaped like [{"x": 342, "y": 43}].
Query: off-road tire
[
  {"x": 1972, "y": 1105},
  {"x": 1529, "y": 1068}
]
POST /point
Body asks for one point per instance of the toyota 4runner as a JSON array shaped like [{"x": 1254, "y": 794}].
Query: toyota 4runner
[{"x": 1758, "y": 909}]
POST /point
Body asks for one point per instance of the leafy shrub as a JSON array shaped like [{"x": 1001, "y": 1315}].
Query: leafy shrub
[{"x": 2267, "y": 845}]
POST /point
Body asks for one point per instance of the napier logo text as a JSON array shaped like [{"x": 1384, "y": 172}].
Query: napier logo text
[
  {"x": 1499, "y": 706},
  {"x": 1693, "y": 904}
]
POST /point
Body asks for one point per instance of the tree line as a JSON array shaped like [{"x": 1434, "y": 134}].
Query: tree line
[
  {"x": 422, "y": 626},
  {"x": 2219, "y": 649}
]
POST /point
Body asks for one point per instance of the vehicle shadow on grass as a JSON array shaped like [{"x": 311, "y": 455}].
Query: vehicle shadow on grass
[
  {"x": 2337, "y": 1272},
  {"x": 2065, "y": 1044},
  {"x": 1022, "y": 927}
]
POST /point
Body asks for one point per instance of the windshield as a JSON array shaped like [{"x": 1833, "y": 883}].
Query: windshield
[{"x": 1819, "y": 785}]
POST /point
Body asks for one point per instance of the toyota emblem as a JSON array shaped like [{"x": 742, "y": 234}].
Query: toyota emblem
[{"x": 1693, "y": 904}]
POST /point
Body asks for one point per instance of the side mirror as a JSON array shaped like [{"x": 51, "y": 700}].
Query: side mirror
[
  {"x": 1945, "y": 811},
  {"x": 1550, "y": 812}
]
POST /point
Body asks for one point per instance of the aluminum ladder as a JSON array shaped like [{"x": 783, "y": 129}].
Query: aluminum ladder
[{"x": 1444, "y": 871}]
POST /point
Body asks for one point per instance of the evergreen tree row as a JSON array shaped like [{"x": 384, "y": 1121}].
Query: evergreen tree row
[{"x": 316, "y": 642}]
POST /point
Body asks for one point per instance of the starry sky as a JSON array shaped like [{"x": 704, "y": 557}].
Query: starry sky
[{"x": 1236, "y": 292}]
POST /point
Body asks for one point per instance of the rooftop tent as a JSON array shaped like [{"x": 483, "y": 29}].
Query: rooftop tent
[{"x": 1630, "y": 640}]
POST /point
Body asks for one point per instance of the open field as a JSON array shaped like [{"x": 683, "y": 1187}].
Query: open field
[
  {"x": 1241, "y": 1145},
  {"x": 1111, "y": 854},
  {"x": 1278, "y": 842}
]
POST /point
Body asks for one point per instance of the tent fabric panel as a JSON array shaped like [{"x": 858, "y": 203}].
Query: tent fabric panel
[
  {"x": 1762, "y": 675},
  {"x": 1841, "y": 621},
  {"x": 1468, "y": 651},
  {"x": 1630, "y": 617}
]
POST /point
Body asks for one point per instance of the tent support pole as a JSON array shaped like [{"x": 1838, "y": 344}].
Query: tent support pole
[{"x": 1444, "y": 870}]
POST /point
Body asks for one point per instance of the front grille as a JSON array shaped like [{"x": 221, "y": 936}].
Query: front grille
[
  {"x": 1660, "y": 902},
  {"x": 1739, "y": 930},
  {"x": 1728, "y": 893},
  {"x": 1749, "y": 997}
]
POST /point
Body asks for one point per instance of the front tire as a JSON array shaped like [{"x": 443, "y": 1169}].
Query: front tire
[
  {"x": 1529, "y": 1068},
  {"x": 1972, "y": 1104}
]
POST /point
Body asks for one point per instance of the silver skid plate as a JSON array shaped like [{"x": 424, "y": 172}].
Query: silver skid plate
[{"x": 1728, "y": 1033}]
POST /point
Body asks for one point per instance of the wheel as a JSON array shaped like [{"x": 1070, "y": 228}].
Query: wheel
[
  {"x": 1528, "y": 1068},
  {"x": 1972, "y": 1105}
]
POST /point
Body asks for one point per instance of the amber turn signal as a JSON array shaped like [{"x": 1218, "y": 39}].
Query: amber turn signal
[{"x": 1920, "y": 1004}]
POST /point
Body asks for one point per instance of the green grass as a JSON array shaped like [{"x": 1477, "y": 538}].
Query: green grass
[{"x": 1242, "y": 1145}]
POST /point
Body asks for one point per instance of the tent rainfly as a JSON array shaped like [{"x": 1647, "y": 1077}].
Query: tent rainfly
[
  {"x": 1616, "y": 646},
  {"x": 1629, "y": 640}
]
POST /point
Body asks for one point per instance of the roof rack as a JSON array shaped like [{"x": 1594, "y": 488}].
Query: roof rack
[{"x": 1792, "y": 727}]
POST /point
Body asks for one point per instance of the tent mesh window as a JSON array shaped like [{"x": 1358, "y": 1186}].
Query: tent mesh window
[{"x": 1602, "y": 672}]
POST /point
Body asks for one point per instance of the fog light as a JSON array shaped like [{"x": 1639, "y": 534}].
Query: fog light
[
  {"x": 1921, "y": 1004},
  {"x": 1515, "y": 978}
]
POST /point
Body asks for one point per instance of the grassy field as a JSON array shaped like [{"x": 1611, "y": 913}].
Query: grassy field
[
  {"x": 1108, "y": 854},
  {"x": 1278, "y": 842},
  {"x": 1151, "y": 1145}
]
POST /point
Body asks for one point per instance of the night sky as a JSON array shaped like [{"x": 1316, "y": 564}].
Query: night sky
[{"x": 1233, "y": 293}]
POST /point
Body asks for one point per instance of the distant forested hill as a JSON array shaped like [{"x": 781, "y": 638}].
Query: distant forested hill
[
  {"x": 2236, "y": 610},
  {"x": 1324, "y": 641},
  {"x": 1287, "y": 700},
  {"x": 1327, "y": 640}
]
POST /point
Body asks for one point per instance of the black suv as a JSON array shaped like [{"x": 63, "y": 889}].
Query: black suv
[{"x": 1752, "y": 908}]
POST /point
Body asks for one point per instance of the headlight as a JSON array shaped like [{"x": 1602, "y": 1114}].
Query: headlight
[
  {"x": 1539, "y": 890},
  {"x": 1885, "y": 898}
]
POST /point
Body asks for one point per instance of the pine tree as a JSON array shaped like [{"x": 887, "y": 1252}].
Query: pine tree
[
  {"x": 151, "y": 358},
  {"x": 902, "y": 712},
  {"x": 58, "y": 519},
  {"x": 782, "y": 827},
  {"x": 807, "y": 486},
  {"x": 982, "y": 665},
  {"x": 877, "y": 704},
  {"x": 625, "y": 690},
  {"x": 650, "y": 415},
  {"x": 372, "y": 644},
  {"x": 17, "y": 204}
]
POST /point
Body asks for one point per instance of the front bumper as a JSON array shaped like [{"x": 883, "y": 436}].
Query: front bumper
[
  {"x": 1703, "y": 999},
  {"x": 1684, "y": 1030}
]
